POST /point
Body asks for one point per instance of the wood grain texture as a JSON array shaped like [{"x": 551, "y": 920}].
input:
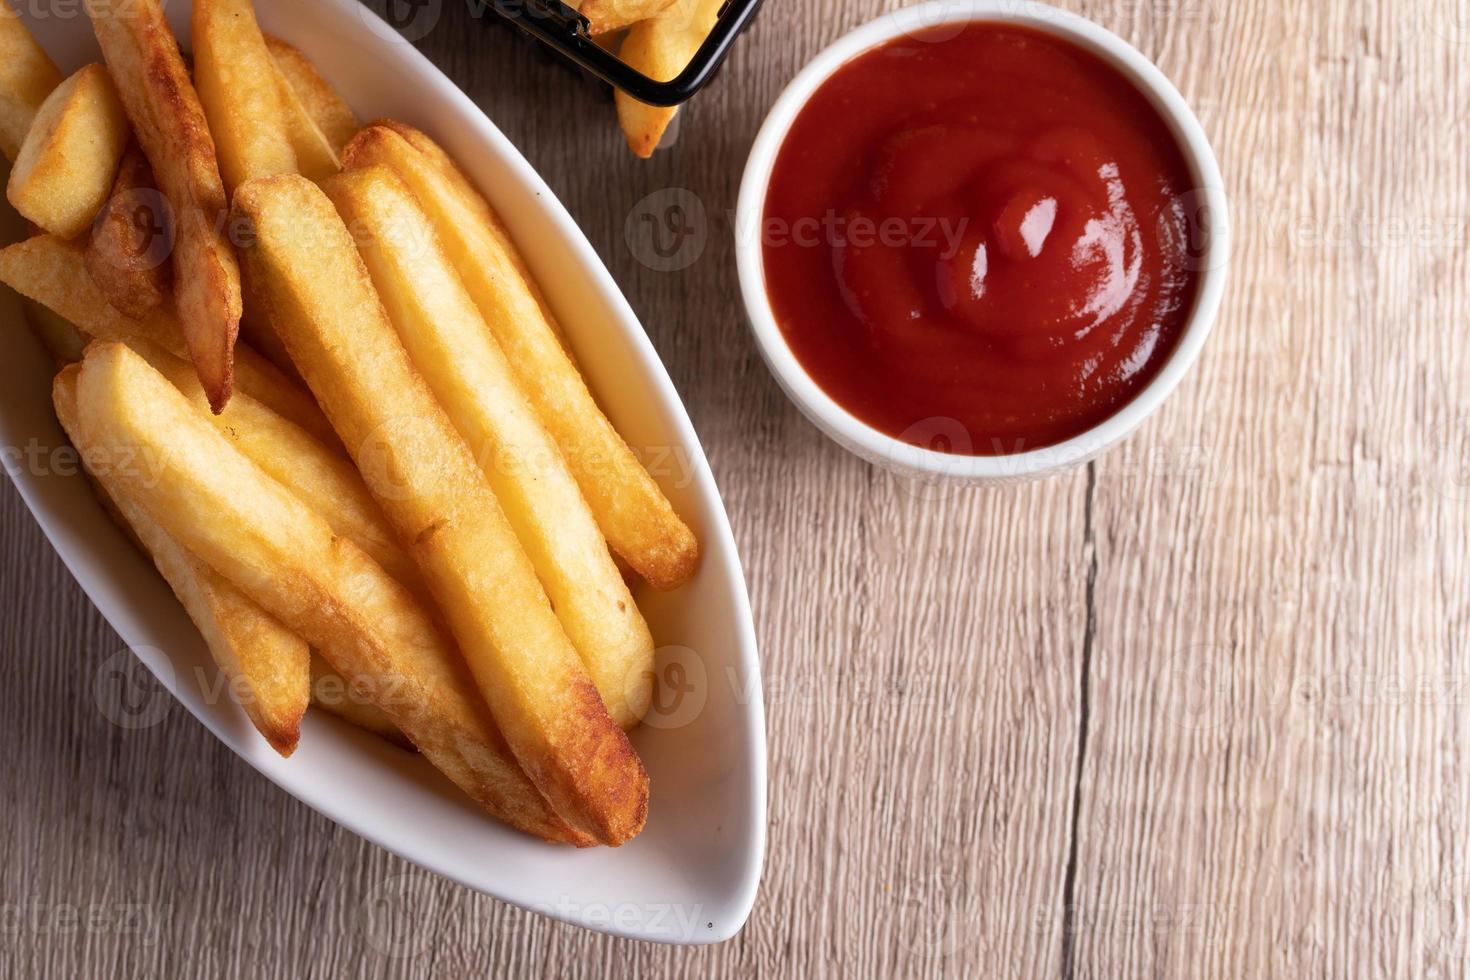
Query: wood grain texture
[{"x": 1194, "y": 711}]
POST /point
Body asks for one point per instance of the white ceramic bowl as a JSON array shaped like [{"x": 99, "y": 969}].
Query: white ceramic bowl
[
  {"x": 1209, "y": 217},
  {"x": 691, "y": 876}
]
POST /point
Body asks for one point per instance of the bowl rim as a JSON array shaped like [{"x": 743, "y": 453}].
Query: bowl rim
[{"x": 831, "y": 416}]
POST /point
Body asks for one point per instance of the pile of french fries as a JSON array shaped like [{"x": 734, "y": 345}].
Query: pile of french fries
[
  {"x": 659, "y": 38},
  {"x": 395, "y": 496}
]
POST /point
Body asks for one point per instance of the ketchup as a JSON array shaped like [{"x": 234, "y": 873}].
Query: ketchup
[{"x": 984, "y": 228}]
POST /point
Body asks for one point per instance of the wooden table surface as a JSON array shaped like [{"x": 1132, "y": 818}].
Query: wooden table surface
[{"x": 1194, "y": 710}]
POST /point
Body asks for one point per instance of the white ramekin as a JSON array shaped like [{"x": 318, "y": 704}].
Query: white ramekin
[{"x": 1210, "y": 219}]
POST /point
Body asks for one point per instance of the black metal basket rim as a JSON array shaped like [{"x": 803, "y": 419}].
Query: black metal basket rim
[{"x": 562, "y": 28}]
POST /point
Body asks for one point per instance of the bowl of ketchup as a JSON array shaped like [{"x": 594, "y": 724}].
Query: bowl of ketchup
[{"x": 980, "y": 241}]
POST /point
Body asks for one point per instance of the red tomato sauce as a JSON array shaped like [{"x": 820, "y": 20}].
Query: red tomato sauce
[{"x": 985, "y": 228}]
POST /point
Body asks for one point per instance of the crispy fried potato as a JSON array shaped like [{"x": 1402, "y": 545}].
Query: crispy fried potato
[
  {"x": 27, "y": 76},
  {"x": 604, "y": 16},
  {"x": 281, "y": 554},
  {"x": 450, "y": 346},
  {"x": 127, "y": 252},
  {"x": 471, "y": 198},
  {"x": 305, "y": 264},
  {"x": 70, "y": 155},
  {"x": 661, "y": 48},
  {"x": 332, "y": 115},
  {"x": 635, "y": 517},
  {"x": 62, "y": 340},
  {"x": 52, "y": 272},
  {"x": 160, "y": 100},
  {"x": 333, "y": 692},
  {"x": 241, "y": 95},
  {"x": 289, "y": 454},
  {"x": 267, "y": 667},
  {"x": 316, "y": 157}
]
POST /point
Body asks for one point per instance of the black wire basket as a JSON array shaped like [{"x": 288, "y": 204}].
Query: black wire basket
[{"x": 569, "y": 33}]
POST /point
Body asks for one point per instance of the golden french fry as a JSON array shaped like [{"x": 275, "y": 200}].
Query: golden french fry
[
  {"x": 70, "y": 155},
  {"x": 316, "y": 157},
  {"x": 63, "y": 341},
  {"x": 277, "y": 551},
  {"x": 332, "y": 115},
  {"x": 470, "y": 197},
  {"x": 127, "y": 252},
  {"x": 450, "y": 346},
  {"x": 614, "y": 15},
  {"x": 635, "y": 517},
  {"x": 240, "y": 92},
  {"x": 27, "y": 76},
  {"x": 333, "y": 692},
  {"x": 53, "y": 272},
  {"x": 265, "y": 664},
  {"x": 161, "y": 102},
  {"x": 661, "y": 48},
  {"x": 305, "y": 264},
  {"x": 301, "y": 464}
]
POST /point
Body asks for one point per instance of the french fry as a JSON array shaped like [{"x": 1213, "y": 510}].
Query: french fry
[
  {"x": 332, "y": 692},
  {"x": 316, "y": 157},
  {"x": 661, "y": 47},
  {"x": 323, "y": 479},
  {"x": 450, "y": 346},
  {"x": 53, "y": 272},
  {"x": 27, "y": 76},
  {"x": 70, "y": 155},
  {"x": 241, "y": 95},
  {"x": 63, "y": 341},
  {"x": 127, "y": 252},
  {"x": 267, "y": 667},
  {"x": 635, "y": 517},
  {"x": 331, "y": 113},
  {"x": 470, "y": 197},
  {"x": 161, "y": 102},
  {"x": 306, "y": 266},
  {"x": 283, "y": 556},
  {"x": 614, "y": 15}
]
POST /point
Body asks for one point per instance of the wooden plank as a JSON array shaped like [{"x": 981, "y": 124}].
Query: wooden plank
[{"x": 1192, "y": 712}]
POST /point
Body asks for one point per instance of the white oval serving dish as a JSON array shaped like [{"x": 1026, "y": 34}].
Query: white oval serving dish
[{"x": 691, "y": 876}]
